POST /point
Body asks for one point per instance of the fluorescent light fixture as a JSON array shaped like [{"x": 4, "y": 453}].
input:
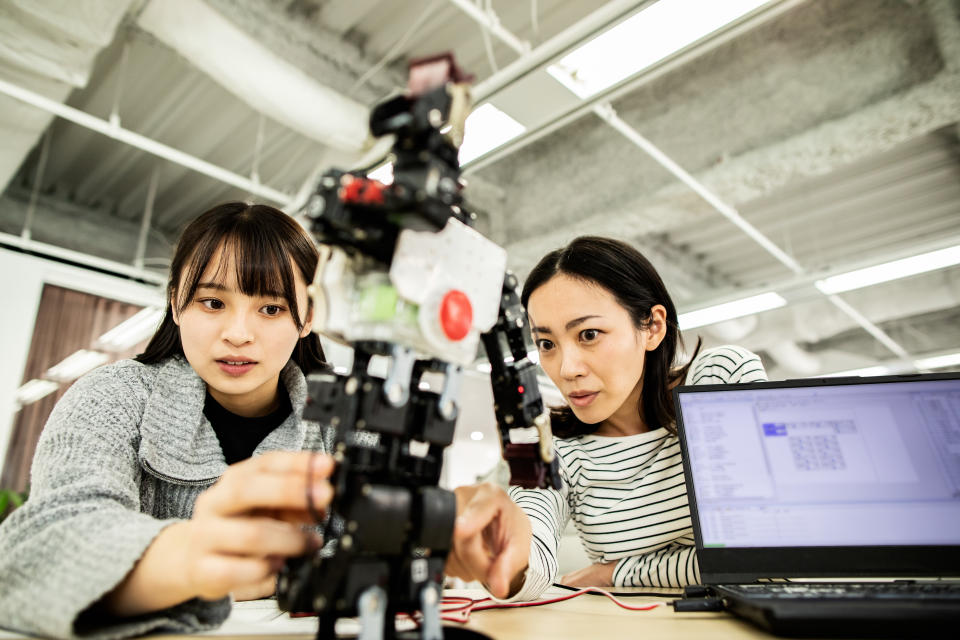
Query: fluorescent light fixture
[
  {"x": 486, "y": 129},
  {"x": 75, "y": 365},
  {"x": 894, "y": 270},
  {"x": 32, "y": 391},
  {"x": 938, "y": 362},
  {"x": 131, "y": 331},
  {"x": 730, "y": 310},
  {"x": 484, "y": 367},
  {"x": 383, "y": 173},
  {"x": 476, "y": 435},
  {"x": 644, "y": 39},
  {"x": 878, "y": 370},
  {"x": 533, "y": 356}
]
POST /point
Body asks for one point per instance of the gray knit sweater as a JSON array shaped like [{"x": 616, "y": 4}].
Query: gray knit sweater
[{"x": 124, "y": 454}]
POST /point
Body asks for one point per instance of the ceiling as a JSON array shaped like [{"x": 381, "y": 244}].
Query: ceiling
[{"x": 828, "y": 128}]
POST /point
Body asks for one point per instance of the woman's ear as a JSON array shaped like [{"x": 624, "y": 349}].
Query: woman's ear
[
  {"x": 173, "y": 310},
  {"x": 657, "y": 329},
  {"x": 307, "y": 323}
]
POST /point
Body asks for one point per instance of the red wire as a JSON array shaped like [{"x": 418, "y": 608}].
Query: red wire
[{"x": 464, "y": 606}]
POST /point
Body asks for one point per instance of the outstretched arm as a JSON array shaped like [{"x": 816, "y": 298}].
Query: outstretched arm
[
  {"x": 242, "y": 529},
  {"x": 508, "y": 542}
]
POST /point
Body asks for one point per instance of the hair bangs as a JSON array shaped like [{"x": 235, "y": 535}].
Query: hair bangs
[
  {"x": 263, "y": 268},
  {"x": 263, "y": 246}
]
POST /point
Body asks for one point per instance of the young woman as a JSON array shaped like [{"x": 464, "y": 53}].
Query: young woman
[
  {"x": 135, "y": 521},
  {"x": 606, "y": 332}
]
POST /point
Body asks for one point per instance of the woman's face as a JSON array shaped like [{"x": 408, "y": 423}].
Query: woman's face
[
  {"x": 591, "y": 349},
  {"x": 237, "y": 343}
]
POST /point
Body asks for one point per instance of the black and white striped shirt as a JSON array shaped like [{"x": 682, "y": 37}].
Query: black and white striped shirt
[{"x": 626, "y": 496}]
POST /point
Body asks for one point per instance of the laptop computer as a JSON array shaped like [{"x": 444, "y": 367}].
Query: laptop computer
[{"x": 795, "y": 482}]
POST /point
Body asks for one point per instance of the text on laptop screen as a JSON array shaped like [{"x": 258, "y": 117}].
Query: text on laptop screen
[{"x": 852, "y": 464}]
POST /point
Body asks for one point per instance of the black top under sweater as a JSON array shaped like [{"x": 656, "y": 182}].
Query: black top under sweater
[{"x": 239, "y": 436}]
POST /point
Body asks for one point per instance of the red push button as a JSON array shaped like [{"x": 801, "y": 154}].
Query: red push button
[{"x": 456, "y": 314}]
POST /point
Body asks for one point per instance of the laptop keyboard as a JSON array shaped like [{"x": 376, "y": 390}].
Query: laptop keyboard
[{"x": 849, "y": 590}]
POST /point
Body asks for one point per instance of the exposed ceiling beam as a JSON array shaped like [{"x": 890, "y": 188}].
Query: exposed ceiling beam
[
  {"x": 142, "y": 142},
  {"x": 247, "y": 68}
]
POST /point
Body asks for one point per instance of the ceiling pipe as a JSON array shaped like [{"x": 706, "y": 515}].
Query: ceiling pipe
[
  {"x": 83, "y": 259},
  {"x": 245, "y": 67},
  {"x": 143, "y": 143},
  {"x": 605, "y": 111}
]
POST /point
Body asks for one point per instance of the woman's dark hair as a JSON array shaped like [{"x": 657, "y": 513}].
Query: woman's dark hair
[
  {"x": 263, "y": 241},
  {"x": 636, "y": 285}
]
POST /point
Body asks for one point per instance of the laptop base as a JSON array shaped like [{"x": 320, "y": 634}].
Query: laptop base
[{"x": 844, "y": 618}]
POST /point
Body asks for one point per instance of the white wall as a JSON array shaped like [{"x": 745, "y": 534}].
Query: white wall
[{"x": 21, "y": 281}]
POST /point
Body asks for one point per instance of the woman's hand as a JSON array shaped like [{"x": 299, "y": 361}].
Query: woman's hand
[
  {"x": 594, "y": 575},
  {"x": 491, "y": 539},
  {"x": 242, "y": 529}
]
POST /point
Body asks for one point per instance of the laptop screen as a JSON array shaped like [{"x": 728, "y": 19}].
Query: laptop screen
[{"x": 824, "y": 463}]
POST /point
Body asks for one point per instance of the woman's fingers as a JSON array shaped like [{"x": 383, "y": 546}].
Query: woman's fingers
[
  {"x": 216, "y": 575},
  {"x": 491, "y": 540},
  {"x": 289, "y": 481},
  {"x": 512, "y": 557},
  {"x": 320, "y": 465},
  {"x": 263, "y": 589},
  {"x": 454, "y": 568},
  {"x": 482, "y": 504},
  {"x": 256, "y": 537}
]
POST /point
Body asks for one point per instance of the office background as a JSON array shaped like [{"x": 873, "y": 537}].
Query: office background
[{"x": 754, "y": 159}]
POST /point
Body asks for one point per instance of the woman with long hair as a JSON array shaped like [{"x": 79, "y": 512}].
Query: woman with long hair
[
  {"x": 165, "y": 484},
  {"x": 607, "y": 335}
]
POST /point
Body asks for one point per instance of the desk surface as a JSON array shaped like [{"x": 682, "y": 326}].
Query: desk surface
[
  {"x": 594, "y": 616},
  {"x": 586, "y": 616}
]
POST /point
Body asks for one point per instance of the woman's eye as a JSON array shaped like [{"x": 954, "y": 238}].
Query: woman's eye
[
  {"x": 212, "y": 303},
  {"x": 589, "y": 335},
  {"x": 544, "y": 345},
  {"x": 272, "y": 309}
]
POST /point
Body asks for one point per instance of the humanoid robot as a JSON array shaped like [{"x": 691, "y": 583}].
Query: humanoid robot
[{"x": 404, "y": 279}]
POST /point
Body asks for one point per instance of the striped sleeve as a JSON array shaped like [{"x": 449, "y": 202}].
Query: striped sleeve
[
  {"x": 728, "y": 364},
  {"x": 672, "y": 566},
  {"x": 549, "y": 513}
]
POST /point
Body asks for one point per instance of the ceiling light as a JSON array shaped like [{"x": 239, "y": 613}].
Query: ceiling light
[
  {"x": 729, "y": 310},
  {"x": 643, "y": 40},
  {"x": 486, "y": 129},
  {"x": 476, "y": 435},
  {"x": 74, "y": 366},
  {"x": 484, "y": 367},
  {"x": 131, "y": 331},
  {"x": 34, "y": 390},
  {"x": 878, "y": 370},
  {"x": 891, "y": 270},
  {"x": 938, "y": 362}
]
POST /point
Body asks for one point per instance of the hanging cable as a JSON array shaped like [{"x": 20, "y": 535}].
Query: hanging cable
[
  {"x": 118, "y": 91},
  {"x": 257, "y": 150},
  {"x": 534, "y": 20},
  {"x": 394, "y": 49},
  {"x": 37, "y": 182},
  {"x": 485, "y": 33}
]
